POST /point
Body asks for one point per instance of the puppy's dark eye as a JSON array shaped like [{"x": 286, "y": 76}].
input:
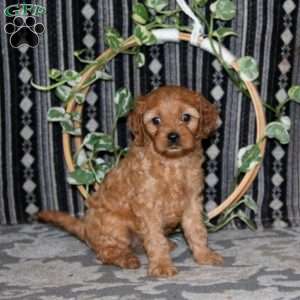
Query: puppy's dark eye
[
  {"x": 186, "y": 118},
  {"x": 156, "y": 121}
]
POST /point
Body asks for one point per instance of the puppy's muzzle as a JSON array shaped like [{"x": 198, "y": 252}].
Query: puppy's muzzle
[{"x": 173, "y": 138}]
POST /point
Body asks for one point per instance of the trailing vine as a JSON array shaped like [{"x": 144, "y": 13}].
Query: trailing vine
[{"x": 69, "y": 85}]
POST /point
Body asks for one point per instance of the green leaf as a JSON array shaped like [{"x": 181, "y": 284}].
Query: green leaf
[
  {"x": 55, "y": 74},
  {"x": 102, "y": 75},
  {"x": 248, "y": 158},
  {"x": 161, "y": 19},
  {"x": 200, "y": 3},
  {"x": 75, "y": 82},
  {"x": 75, "y": 116},
  {"x": 140, "y": 59},
  {"x": 97, "y": 76},
  {"x": 81, "y": 177},
  {"x": 98, "y": 142},
  {"x": 228, "y": 215},
  {"x": 144, "y": 36},
  {"x": 140, "y": 13},
  {"x": 278, "y": 131},
  {"x": 157, "y": 5},
  {"x": 113, "y": 39},
  {"x": 81, "y": 158},
  {"x": 56, "y": 114},
  {"x": 286, "y": 122},
  {"x": 70, "y": 75},
  {"x": 229, "y": 211},
  {"x": 79, "y": 98},
  {"x": 101, "y": 169},
  {"x": 100, "y": 161},
  {"x": 68, "y": 127},
  {"x": 250, "y": 203},
  {"x": 123, "y": 152},
  {"x": 294, "y": 93},
  {"x": 223, "y": 9},
  {"x": 243, "y": 217},
  {"x": 123, "y": 102},
  {"x": 248, "y": 68},
  {"x": 63, "y": 93},
  {"x": 222, "y": 224},
  {"x": 223, "y": 32}
]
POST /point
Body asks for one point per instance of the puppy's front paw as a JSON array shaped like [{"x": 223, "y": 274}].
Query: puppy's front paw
[
  {"x": 209, "y": 257},
  {"x": 162, "y": 270}
]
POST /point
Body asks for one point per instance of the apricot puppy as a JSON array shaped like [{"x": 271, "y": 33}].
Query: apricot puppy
[{"x": 155, "y": 188}]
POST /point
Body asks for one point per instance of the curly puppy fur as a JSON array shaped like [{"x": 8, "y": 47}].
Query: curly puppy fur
[{"x": 155, "y": 188}]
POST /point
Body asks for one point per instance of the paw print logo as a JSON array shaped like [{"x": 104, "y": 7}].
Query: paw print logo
[{"x": 24, "y": 31}]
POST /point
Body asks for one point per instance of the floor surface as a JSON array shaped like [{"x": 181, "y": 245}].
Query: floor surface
[{"x": 39, "y": 262}]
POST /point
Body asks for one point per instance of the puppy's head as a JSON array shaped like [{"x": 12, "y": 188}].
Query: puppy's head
[{"x": 172, "y": 118}]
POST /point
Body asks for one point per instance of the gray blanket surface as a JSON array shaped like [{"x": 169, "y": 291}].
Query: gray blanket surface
[{"x": 39, "y": 262}]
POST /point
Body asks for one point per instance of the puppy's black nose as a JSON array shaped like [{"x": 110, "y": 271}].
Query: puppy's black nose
[{"x": 173, "y": 137}]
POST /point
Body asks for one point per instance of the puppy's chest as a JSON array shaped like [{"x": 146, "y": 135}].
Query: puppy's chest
[{"x": 170, "y": 187}]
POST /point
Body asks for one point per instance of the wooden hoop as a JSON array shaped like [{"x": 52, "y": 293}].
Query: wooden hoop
[{"x": 249, "y": 177}]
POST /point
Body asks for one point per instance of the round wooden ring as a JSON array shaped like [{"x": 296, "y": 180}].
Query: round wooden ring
[{"x": 249, "y": 177}]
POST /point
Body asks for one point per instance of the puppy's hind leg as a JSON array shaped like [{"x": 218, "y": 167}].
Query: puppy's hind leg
[
  {"x": 111, "y": 242},
  {"x": 112, "y": 253}
]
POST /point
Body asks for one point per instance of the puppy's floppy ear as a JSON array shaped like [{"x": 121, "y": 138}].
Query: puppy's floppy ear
[
  {"x": 135, "y": 121},
  {"x": 209, "y": 118}
]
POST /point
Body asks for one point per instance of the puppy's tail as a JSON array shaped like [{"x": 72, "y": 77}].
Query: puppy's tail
[{"x": 73, "y": 225}]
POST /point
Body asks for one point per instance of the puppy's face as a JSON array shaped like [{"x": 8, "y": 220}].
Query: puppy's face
[
  {"x": 173, "y": 119},
  {"x": 172, "y": 127}
]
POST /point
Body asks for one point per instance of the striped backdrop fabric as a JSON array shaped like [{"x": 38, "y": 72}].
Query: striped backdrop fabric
[{"x": 32, "y": 169}]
